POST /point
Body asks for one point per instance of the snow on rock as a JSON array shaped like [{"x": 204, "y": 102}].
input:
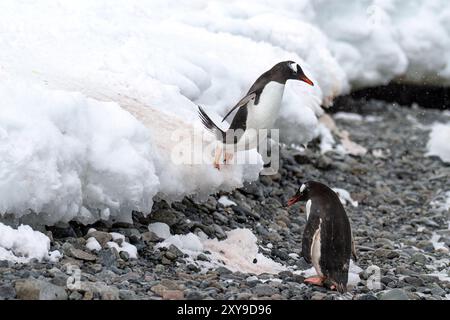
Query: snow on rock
[
  {"x": 226, "y": 202},
  {"x": 124, "y": 246},
  {"x": 345, "y": 197},
  {"x": 99, "y": 103},
  {"x": 23, "y": 244},
  {"x": 161, "y": 230},
  {"x": 438, "y": 144}
]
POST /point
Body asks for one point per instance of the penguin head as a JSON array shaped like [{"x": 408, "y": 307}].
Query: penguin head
[
  {"x": 289, "y": 70},
  {"x": 302, "y": 194},
  {"x": 295, "y": 72}
]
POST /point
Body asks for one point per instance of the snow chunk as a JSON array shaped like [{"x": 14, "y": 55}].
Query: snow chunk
[
  {"x": 161, "y": 230},
  {"x": 345, "y": 197},
  {"x": 226, "y": 202},
  {"x": 23, "y": 244},
  {"x": 438, "y": 144},
  {"x": 93, "y": 245}
]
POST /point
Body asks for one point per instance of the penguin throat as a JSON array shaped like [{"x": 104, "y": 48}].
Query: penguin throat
[{"x": 308, "y": 208}]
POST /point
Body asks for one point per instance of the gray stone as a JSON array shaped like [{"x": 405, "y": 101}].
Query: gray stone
[
  {"x": 108, "y": 257},
  {"x": 416, "y": 282},
  {"x": 394, "y": 294},
  {"x": 32, "y": 289},
  {"x": 102, "y": 237},
  {"x": 264, "y": 290},
  {"x": 166, "y": 216},
  {"x": 150, "y": 237},
  {"x": 7, "y": 292},
  {"x": 81, "y": 255}
]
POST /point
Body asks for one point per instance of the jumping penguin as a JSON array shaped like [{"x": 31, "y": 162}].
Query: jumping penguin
[
  {"x": 257, "y": 110},
  {"x": 327, "y": 240}
]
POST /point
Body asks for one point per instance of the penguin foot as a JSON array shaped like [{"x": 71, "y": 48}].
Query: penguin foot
[
  {"x": 217, "y": 155},
  {"x": 318, "y": 281},
  {"x": 228, "y": 157}
]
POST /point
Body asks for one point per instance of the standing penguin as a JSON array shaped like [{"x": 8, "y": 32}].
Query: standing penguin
[
  {"x": 257, "y": 110},
  {"x": 327, "y": 239}
]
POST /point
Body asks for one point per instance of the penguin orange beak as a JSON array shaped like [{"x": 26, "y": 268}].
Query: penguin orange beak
[
  {"x": 293, "y": 200},
  {"x": 307, "y": 80}
]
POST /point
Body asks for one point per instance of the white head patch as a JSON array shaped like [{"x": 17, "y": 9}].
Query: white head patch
[
  {"x": 293, "y": 66},
  {"x": 302, "y": 187}
]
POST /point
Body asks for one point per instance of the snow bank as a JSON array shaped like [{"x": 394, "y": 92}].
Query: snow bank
[
  {"x": 438, "y": 144},
  {"x": 24, "y": 244},
  {"x": 97, "y": 98}
]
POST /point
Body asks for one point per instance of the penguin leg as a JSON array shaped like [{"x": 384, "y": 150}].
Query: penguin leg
[
  {"x": 228, "y": 157},
  {"x": 318, "y": 281},
  {"x": 217, "y": 155}
]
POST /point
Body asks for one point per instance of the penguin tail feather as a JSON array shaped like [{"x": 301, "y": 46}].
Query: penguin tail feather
[{"x": 210, "y": 125}]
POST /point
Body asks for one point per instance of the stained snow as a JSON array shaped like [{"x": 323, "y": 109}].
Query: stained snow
[
  {"x": 238, "y": 252},
  {"x": 23, "y": 244}
]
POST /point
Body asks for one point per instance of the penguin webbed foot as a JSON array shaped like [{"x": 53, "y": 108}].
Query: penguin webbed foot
[
  {"x": 326, "y": 283},
  {"x": 316, "y": 280}
]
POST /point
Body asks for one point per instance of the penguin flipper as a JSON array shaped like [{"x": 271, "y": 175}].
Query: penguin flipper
[
  {"x": 311, "y": 227},
  {"x": 243, "y": 102}
]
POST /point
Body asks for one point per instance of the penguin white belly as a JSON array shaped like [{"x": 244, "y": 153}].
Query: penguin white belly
[
  {"x": 315, "y": 251},
  {"x": 264, "y": 114},
  {"x": 261, "y": 116}
]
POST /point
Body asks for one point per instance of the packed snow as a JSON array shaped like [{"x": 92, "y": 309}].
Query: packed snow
[
  {"x": 24, "y": 244},
  {"x": 439, "y": 145},
  {"x": 99, "y": 101}
]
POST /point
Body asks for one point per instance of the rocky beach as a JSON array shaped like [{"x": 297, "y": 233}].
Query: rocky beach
[{"x": 400, "y": 225}]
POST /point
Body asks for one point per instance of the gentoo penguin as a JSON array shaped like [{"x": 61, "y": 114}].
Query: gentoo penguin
[
  {"x": 327, "y": 239},
  {"x": 257, "y": 110}
]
